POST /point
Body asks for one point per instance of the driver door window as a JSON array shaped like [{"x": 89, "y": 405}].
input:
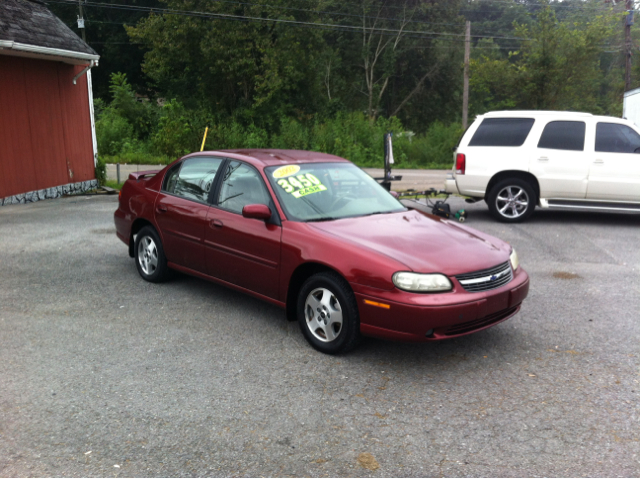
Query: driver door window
[
  {"x": 615, "y": 138},
  {"x": 241, "y": 186}
]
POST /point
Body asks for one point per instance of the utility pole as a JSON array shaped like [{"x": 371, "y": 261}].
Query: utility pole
[
  {"x": 81, "y": 22},
  {"x": 465, "y": 88},
  {"x": 627, "y": 45}
]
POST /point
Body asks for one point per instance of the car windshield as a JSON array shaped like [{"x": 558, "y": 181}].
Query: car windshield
[{"x": 329, "y": 191}]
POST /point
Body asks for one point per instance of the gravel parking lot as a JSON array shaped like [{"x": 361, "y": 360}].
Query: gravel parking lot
[{"x": 103, "y": 374}]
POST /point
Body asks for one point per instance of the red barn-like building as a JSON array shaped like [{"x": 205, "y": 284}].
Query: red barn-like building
[{"x": 47, "y": 135}]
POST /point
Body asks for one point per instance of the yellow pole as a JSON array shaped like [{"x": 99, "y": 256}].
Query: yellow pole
[{"x": 204, "y": 138}]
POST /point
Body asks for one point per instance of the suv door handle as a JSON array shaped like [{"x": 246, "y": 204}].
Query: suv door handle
[
  {"x": 215, "y": 224},
  {"x": 599, "y": 162},
  {"x": 543, "y": 158}
]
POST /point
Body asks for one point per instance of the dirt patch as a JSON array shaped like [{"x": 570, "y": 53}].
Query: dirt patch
[
  {"x": 565, "y": 275},
  {"x": 367, "y": 461}
]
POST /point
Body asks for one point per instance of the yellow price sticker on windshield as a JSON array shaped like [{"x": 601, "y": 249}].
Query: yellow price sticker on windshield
[
  {"x": 308, "y": 191},
  {"x": 301, "y": 185},
  {"x": 285, "y": 171}
]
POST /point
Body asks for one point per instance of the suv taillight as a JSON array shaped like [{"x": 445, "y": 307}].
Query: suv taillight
[{"x": 460, "y": 163}]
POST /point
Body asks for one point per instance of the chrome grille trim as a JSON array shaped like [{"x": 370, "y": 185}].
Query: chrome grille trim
[{"x": 479, "y": 281}]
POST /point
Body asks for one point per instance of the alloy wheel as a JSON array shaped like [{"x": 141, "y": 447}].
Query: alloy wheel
[
  {"x": 148, "y": 255},
  {"x": 512, "y": 202},
  {"x": 323, "y": 315}
]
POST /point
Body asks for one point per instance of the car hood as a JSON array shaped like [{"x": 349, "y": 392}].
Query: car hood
[{"x": 424, "y": 243}]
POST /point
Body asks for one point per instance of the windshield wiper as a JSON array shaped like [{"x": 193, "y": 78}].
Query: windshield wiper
[
  {"x": 324, "y": 218},
  {"x": 377, "y": 213},
  {"x": 230, "y": 197}
]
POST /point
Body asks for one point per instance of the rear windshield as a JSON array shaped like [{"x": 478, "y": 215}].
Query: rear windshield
[{"x": 502, "y": 132}]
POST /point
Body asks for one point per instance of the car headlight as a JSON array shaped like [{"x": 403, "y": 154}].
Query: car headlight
[
  {"x": 514, "y": 260},
  {"x": 422, "y": 283}
]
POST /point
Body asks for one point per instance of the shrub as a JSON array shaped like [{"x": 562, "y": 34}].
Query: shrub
[
  {"x": 101, "y": 171},
  {"x": 112, "y": 132},
  {"x": 178, "y": 131},
  {"x": 141, "y": 115},
  {"x": 434, "y": 149}
]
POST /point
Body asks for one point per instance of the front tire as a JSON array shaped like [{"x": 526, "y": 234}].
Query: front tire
[
  {"x": 512, "y": 200},
  {"x": 328, "y": 313},
  {"x": 149, "y": 256}
]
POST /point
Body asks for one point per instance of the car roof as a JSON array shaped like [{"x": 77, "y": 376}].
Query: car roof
[
  {"x": 530, "y": 113},
  {"x": 273, "y": 157}
]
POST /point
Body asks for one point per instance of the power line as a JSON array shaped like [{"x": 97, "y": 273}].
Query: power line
[
  {"x": 225, "y": 16},
  {"x": 320, "y": 12}
]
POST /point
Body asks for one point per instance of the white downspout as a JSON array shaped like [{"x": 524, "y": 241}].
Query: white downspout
[{"x": 93, "y": 121}]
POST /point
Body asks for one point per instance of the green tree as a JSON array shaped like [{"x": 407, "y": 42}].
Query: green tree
[
  {"x": 557, "y": 67},
  {"x": 254, "y": 71}
]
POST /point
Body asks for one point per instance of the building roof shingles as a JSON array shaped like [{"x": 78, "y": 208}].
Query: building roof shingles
[{"x": 32, "y": 23}]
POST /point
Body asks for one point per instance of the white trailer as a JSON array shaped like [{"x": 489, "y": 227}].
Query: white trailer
[{"x": 631, "y": 106}]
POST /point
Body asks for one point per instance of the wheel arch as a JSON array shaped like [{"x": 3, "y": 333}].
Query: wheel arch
[
  {"x": 523, "y": 175},
  {"x": 137, "y": 225},
  {"x": 299, "y": 276}
]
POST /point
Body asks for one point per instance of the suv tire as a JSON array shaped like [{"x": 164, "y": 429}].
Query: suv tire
[{"x": 512, "y": 200}]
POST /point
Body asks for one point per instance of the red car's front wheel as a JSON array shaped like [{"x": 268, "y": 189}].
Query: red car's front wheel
[{"x": 328, "y": 313}]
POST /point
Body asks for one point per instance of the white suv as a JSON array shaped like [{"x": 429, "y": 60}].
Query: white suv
[{"x": 515, "y": 160}]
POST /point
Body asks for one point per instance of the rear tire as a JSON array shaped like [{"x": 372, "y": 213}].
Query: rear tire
[
  {"x": 328, "y": 313},
  {"x": 149, "y": 256},
  {"x": 512, "y": 200}
]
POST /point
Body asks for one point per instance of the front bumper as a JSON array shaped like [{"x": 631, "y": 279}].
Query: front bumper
[{"x": 439, "y": 316}]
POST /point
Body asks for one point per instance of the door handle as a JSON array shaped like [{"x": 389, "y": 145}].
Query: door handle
[
  {"x": 215, "y": 224},
  {"x": 599, "y": 162},
  {"x": 161, "y": 209},
  {"x": 543, "y": 158}
]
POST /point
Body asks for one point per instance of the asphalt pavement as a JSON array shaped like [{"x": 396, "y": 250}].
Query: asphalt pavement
[{"x": 105, "y": 375}]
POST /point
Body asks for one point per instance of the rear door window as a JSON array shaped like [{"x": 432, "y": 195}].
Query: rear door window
[
  {"x": 502, "y": 132},
  {"x": 194, "y": 179},
  {"x": 616, "y": 138},
  {"x": 563, "y": 135}
]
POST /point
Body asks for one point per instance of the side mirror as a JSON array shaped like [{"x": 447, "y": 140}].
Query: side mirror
[
  {"x": 259, "y": 212},
  {"x": 395, "y": 194}
]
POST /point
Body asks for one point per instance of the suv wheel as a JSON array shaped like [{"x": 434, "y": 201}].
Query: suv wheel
[{"x": 512, "y": 200}]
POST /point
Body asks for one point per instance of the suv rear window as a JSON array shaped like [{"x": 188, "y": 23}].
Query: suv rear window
[
  {"x": 563, "y": 135},
  {"x": 502, "y": 132}
]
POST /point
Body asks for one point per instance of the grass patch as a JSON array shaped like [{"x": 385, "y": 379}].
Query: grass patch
[{"x": 113, "y": 184}]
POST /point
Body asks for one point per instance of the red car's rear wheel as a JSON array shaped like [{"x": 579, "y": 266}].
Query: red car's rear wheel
[{"x": 150, "y": 259}]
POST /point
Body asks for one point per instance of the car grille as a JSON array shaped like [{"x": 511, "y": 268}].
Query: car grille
[
  {"x": 481, "y": 323},
  {"x": 487, "y": 279}
]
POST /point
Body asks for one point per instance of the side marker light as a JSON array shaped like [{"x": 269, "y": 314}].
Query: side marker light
[{"x": 378, "y": 305}]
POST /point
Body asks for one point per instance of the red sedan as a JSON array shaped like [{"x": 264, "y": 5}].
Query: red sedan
[{"x": 316, "y": 235}]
